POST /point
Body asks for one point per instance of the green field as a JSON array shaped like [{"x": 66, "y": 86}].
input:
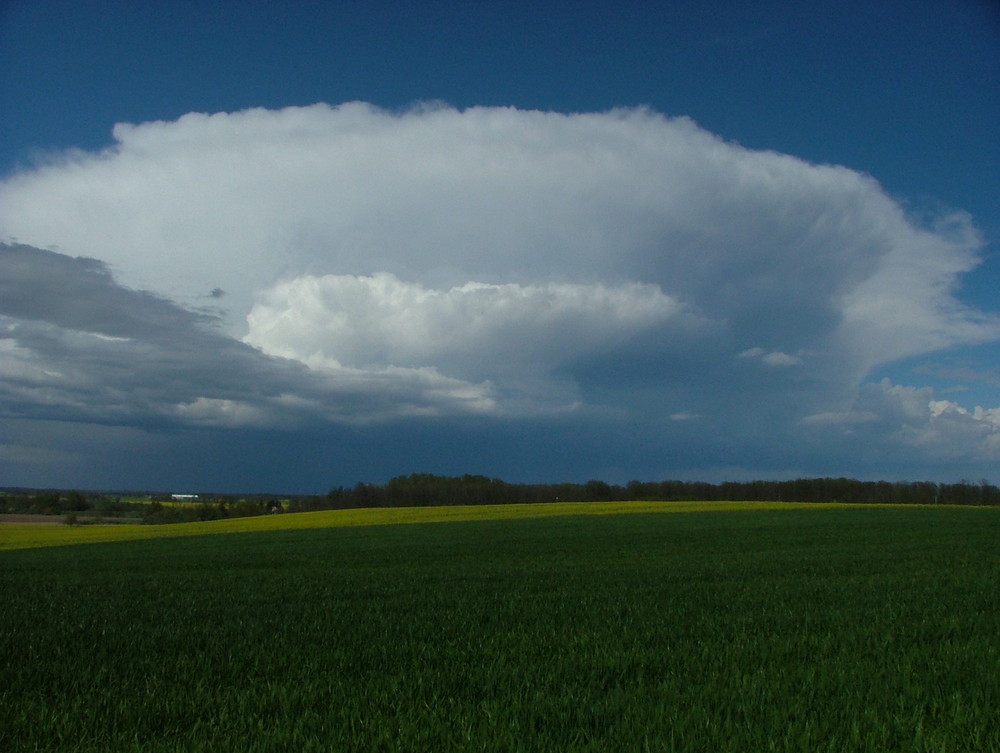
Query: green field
[{"x": 791, "y": 629}]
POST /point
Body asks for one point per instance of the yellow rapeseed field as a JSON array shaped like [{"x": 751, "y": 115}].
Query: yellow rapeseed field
[{"x": 28, "y": 535}]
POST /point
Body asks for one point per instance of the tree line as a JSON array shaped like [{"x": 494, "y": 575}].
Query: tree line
[
  {"x": 98, "y": 507},
  {"x": 424, "y": 489}
]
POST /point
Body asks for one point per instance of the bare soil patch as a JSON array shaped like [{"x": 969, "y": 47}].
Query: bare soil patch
[{"x": 40, "y": 519}]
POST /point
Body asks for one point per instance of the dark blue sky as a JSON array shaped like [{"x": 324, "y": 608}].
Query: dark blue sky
[{"x": 905, "y": 92}]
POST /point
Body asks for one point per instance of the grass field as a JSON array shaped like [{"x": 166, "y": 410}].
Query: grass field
[{"x": 791, "y": 629}]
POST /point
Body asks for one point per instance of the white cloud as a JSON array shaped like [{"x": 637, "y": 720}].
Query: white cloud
[
  {"x": 777, "y": 358},
  {"x": 840, "y": 418},
  {"x": 777, "y": 248},
  {"x": 771, "y": 358},
  {"x": 910, "y": 417},
  {"x": 220, "y": 412},
  {"x": 474, "y": 331},
  {"x": 484, "y": 262}
]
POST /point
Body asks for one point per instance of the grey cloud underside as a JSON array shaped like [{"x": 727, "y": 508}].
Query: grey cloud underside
[
  {"x": 75, "y": 345},
  {"x": 80, "y": 294},
  {"x": 79, "y": 345}
]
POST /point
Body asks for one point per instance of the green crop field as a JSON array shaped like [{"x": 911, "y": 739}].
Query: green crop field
[{"x": 789, "y": 629}]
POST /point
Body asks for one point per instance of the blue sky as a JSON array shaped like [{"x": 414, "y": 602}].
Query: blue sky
[{"x": 537, "y": 241}]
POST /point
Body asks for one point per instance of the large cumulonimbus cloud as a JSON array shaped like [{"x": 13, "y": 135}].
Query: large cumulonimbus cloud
[{"x": 515, "y": 261}]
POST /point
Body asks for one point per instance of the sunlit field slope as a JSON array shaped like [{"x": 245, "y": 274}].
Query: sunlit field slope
[
  {"x": 23, "y": 535},
  {"x": 831, "y": 629}
]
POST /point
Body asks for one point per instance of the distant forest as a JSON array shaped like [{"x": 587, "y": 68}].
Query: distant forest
[
  {"x": 421, "y": 489},
  {"x": 425, "y": 489}
]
